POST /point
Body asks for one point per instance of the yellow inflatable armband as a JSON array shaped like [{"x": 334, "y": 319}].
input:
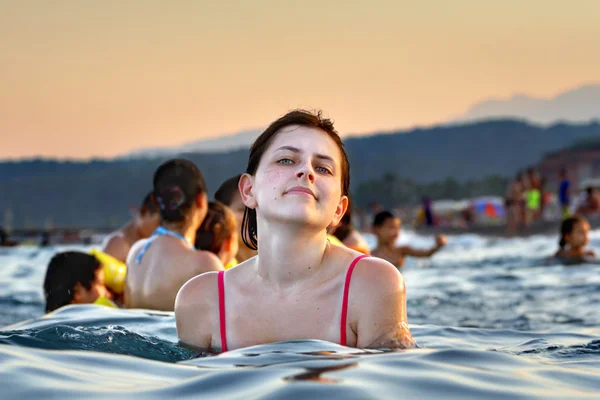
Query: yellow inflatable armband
[
  {"x": 103, "y": 301},
  {"x": 114, "y": 271}
]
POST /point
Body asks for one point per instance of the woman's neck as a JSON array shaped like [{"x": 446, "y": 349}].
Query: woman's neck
[
  {"x": 186, "y": 229},
  {"x": 287, "y": 255}
]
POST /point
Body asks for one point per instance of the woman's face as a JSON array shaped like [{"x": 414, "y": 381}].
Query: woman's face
[{"x": 299, "y": 179}]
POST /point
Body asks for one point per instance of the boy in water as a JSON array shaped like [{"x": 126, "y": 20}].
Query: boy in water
[
  {"x": 387, "y": 229},
  {"x": 118, "y": 243},
  {"x": 73, "y": 277},
  {"x": 229, "y": 194},
  {"x": 159, "y": 266}
]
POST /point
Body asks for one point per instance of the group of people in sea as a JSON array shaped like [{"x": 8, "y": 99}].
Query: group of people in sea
[
  {"x": 527, "y": 199},
  {"x": 274, "y": 247},
  {"x": 273, "y": 257}
]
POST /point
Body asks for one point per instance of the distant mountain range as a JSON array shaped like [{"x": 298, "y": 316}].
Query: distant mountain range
[
  {"x": 94, "y": 193},
  {"x": 577, "y": 105},
  {"x": 234, "y": 141}
]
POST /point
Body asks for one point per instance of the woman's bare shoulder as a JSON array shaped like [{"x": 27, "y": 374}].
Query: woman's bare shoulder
[
  {"x": 195, "y": 307},
  {"x": 375, "y": 272},
  {"x": 200, "y": 290}
]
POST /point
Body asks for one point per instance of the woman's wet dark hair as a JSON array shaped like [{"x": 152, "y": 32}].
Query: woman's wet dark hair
[
  {"x": 64, "y": 272},
  {"x": 218, "y": 225},
  {"x": 300, "y": 118},
  {"x": 176, "y": 183},
  {"x": 567, "y": 227}
]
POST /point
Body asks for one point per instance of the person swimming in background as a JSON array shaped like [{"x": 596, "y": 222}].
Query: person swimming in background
[
  {"x": 147, "y": 219},
  {"x": 219, "y": 234},
  {"x": 157, "y": 267},
  {"x": 345, "y": 232},
  {"x": 574, "y": 237},
  {"x": 229, "y": 194},
  {"x": 74, "y": 277},
  {"x": 387, "y": 229},
  {"x": 298, "y": 286}
]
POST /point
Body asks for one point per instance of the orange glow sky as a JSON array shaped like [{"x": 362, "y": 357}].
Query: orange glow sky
[{"x": 100, "y": 78}]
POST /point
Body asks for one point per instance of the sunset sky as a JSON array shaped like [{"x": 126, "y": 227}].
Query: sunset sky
[{"x": 101, "y": 78}]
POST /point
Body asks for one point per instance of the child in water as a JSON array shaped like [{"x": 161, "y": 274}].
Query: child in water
[
  {"x": 74, "y": 277},
  {"x": 219, "y": 234},
  {"x": 574, "y": 236},
  {"x": 387, "y": 229}
]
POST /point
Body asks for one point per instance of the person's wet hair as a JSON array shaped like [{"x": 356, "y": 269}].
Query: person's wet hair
[
  {"x": 176, "y": 184},
  {"x": 228, "y": 189},
  {"x": 218, "y": 225},
  {"x": 567, "y": 227},
  {"x": 381, "y": 217},
  {"x": 301, "y": 118},
  {"x": 64, "y": 272},
  {"x": 149, "y": 205}
]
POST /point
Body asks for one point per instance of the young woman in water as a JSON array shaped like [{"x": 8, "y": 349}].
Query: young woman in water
[
  {"x": 298, "y": 286},
  {"x": 574, "y": 237}
]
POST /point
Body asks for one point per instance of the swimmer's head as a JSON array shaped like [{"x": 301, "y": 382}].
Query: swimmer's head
[
  {"x": 218, "y": 232},
  {"x": 148, "y": 218},
  {"x": 73, "y": 277},
  {"x": 386, "y": 227},
  {"x": 574, "y": 232},
  {"x": 309, "y": 154},
  {"x": 229, "y": 194},
  {"x": 180, "y": 191}
]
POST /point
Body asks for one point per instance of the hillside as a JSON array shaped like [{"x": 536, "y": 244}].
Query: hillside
[{"x": 101, "y": 192}]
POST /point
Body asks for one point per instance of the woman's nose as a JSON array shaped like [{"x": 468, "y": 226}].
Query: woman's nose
[{"x": 306, "y": 171}]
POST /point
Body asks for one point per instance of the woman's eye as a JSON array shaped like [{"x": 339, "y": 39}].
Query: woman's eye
[
  {"x": 323, "y": 170},
  {"x": 285, "y": 161}
]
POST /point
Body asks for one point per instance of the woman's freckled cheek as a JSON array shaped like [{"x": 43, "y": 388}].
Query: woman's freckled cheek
[{"x": 275, "y": 175}]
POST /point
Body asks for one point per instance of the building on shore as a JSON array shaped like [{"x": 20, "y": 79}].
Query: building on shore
[{"x": 582, "y": 162}]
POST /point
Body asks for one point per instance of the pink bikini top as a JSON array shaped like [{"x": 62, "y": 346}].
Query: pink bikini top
[{"x": 222, "y": 319}]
